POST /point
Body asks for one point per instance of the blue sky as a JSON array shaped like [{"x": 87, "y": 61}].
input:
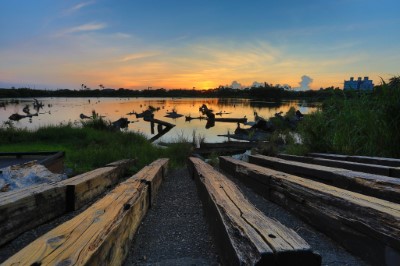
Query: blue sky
[{"x": 203, "y": 44}]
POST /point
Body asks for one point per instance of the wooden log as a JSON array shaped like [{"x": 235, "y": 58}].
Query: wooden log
[
  {"x": 230, "y": 120},
  {"x": 83, "y": 188},
  {"x": 219, "y": 150},
  {"x": 359, "y": 167},
  {"x": 360, "y": 159},
  {"x": 229, "y": 144},
  {"x": 160, "y": 134},
  {"x": 26, "y": 208},
  {"x": 153, "y": 175},
  {"x": 245, "y": 236},
  {"x": 100, "y": 235},
  {"x": 230, "y": 147},
  {"x": 160, "y": 122},
  {"x": 395, "y": 172},
  {"x": 123, "y": 165},
  {"x": 379, "y": 186},
  {"x": 367, "y": 226},
  {"x": 55, "y": 162}
]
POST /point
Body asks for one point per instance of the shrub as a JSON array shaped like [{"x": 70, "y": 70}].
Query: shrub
[{"x": 362, "y": 124}]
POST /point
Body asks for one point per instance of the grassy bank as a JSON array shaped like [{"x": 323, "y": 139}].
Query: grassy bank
[
  {"x": 91, "y": 146},
  {"x": 364, "y": 124}
]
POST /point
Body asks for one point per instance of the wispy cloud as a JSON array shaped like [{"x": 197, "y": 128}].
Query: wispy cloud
[
  {"x": 77, "y": 7},
  {"x": 122, "y": 35},
  {"x": 136, "y": 56},
  {"x": 83, "y": 28}
]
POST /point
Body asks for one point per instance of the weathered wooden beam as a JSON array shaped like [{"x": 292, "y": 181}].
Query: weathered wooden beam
[
  {"x": 160, "y": 134},
  {"x": 360, "y": 167},
  {"x": 26, "y": 208},
  {"x": 54, "y": 162},
  {"x": 229, "y": 144},
  {"x": 220, "y": 151},
  {"x": 360, "y": 159},
  {"x": 98, "y": 236},
  {"x": 153, "y": 175},
  {"x": 230, "y": 120},
  {"x": 379, "y": 186},
  {"x": 83, "y": 188},
  {"x": 230, "y": 147},
  {"x": 244, "y": 235},
  {"x": 164, "y": 123},
  {"x": 367, "y": 226}
]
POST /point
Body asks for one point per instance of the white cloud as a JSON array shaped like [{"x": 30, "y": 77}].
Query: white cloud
[
  {"x": 257, "y": 84},
  {"x": 304, "y": 83},
  {"x": 236, "y": 85}
]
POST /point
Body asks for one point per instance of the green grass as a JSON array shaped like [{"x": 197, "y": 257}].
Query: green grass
[
  {"x": 91, "y": 146},
  {"x": 364, "y": 124}
]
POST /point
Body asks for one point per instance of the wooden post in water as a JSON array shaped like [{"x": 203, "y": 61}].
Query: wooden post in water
[{"x": 152, "y": 126}]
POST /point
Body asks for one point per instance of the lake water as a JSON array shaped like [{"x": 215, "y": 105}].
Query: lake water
[{"x": 65, "y": 110}]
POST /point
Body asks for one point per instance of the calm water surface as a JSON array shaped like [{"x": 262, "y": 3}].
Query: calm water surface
[{"x": 65, "y": 110}]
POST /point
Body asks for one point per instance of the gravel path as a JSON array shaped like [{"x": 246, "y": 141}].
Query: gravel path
[{"x": 174, "y": 231}]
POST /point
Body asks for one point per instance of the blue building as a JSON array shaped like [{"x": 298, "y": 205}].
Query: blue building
[{"x": 359, "y": 84}]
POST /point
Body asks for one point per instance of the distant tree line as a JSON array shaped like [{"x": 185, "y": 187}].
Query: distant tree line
[{"x": 266, "y": 92}]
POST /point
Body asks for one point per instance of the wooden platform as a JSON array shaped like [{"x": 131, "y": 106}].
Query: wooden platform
[
  {"x": 367, "y": 226},
  {"x": 244, "y": 235},
  {"x": 379, "y": 186},
  {"x": 100, "y": 235}
]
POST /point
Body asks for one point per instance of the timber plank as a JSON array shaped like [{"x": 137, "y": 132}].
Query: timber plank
[
  {"x": 379, "y": 186},
  {"x": 98, "y": 236},
  {"x": 360, "y": 159},
  {"x": 365, "y": 225},
  {"x": 29, "y": 207},
  {"x": 85, "y": 187},
  {"x": 244, "y": 235},
  {"x": 153, "y": 174},
  {"x": 359, "y": 167}
]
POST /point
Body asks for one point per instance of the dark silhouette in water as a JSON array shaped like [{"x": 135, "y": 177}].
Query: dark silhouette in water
[{"x": 17, "y": 117}]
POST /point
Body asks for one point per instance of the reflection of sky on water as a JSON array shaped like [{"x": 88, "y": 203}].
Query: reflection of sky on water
[{"x": 64, "y": 110}]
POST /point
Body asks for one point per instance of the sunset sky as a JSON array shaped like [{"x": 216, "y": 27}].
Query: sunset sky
[{"x": 47, "y": 44}]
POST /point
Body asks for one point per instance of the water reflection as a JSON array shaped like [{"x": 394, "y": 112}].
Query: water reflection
[{"x": 57, "y": 111}]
